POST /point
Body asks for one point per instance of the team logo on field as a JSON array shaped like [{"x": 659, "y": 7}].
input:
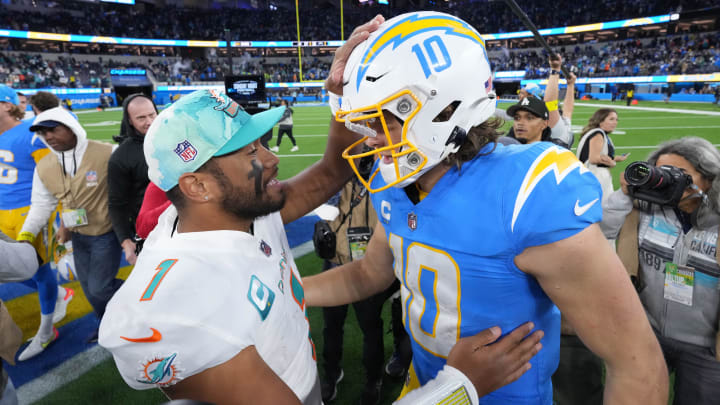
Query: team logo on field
[
  {"x": 186, "y": 151},
  {"x": 265, "y": 248},
  {"x": 91, "y": 178},
  {"x": 412, "y": 221},
  {"x": 160, "y": 370}
]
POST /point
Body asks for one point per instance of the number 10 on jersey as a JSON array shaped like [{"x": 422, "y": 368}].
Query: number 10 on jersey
[{"x": 431, "y": 294}]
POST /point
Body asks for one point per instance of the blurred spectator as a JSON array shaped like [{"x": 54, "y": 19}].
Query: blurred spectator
[
  {"x": 560, "y": 118},
  {"x": 596, "y": 150},
  {"x": 285, "y": 127},
  {"x": 23, "y": 104},
  {"x": 127, "y": 171},
  {"x": 43, "y": 101}
]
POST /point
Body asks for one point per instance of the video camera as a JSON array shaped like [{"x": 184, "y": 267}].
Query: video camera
[{"x": 663, "y": 185}]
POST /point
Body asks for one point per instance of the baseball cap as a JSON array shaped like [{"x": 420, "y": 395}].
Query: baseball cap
[
  {"x": 534, "y": 89},
  {"x": 43, "y": 125},
  {"x": 197, "y": 127},
  {"x": 532, "y": 104},
  {"x": 8, "y": 95}
]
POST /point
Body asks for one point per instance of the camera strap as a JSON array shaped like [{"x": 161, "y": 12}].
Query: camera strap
[{"x": 355, "y": 199}]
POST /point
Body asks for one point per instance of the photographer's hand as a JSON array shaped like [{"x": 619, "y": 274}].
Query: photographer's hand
[{"x": 624, "y": 184}]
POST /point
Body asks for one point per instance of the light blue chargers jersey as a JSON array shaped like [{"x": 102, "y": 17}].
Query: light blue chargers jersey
[
  {"x": 454, "y": 253},
  {"x": 17, "y": 166}
]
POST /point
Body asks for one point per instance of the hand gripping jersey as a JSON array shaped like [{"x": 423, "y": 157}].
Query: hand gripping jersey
[
  {"x": 17, "y": 165},
  {"x": 454, "y": 253},
  {"x": 195, "y": 300}
]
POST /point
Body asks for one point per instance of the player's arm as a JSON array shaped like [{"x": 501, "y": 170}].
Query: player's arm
[
  {"x": 42, "y": 204},
  {"x": 244, "y": 379},
  {"x": 569, "y": 100},
  {"x": 356, "y": 280},
  {"x": 587, "y": 281},
  {"x": 552, "y": 91},
  {"x": 316, "y": 184}
]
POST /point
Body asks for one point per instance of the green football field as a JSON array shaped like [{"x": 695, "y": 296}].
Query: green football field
[{"x": 639, "y": 132}]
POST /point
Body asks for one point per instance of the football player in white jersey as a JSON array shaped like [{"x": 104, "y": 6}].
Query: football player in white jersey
[{"x": 214, "y": 309}]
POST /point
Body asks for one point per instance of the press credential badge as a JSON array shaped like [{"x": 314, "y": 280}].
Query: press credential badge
[
  {"x": 76, "y": 217},
  {"x": 679, "y": 283}
]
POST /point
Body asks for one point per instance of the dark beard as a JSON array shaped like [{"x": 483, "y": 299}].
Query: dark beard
[
  {"x": 522, "y": 140},
  {"x": 245, "y": 205}
]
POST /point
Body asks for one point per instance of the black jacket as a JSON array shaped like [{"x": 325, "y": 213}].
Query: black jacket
[{"x": 127, "y": 181}]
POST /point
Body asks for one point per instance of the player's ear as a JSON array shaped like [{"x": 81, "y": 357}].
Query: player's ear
[{"x": 194, "y": 187}]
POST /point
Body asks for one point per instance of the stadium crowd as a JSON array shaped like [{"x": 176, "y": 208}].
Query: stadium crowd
[
  {"x": 210, "y": 194},
  {"x": 681, "y": 54},
  {"x": 316, "y": 23}
]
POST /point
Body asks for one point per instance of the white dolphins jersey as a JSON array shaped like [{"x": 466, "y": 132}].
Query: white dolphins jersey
[{"x": 195, "y": 300}]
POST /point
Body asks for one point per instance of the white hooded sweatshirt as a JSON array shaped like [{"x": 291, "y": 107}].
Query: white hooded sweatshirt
[{"x": 43, "y": 203}]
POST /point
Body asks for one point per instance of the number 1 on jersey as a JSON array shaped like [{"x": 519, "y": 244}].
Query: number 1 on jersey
[{"x": 162, "y": 270}]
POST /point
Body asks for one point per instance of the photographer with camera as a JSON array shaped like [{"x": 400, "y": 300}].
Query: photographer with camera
[
  {"x": 338, "y": 242},
  {"x": 666, "y": 218}
]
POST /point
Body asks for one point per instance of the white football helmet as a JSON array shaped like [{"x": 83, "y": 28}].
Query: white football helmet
[{"x": 415, "y": 66}]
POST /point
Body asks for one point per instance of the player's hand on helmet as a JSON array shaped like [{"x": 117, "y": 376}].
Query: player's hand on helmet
[
  {"x": 491, "y": 363},
  {"x": 334, "y": 81},
  {"x": 555, "y": 61}
]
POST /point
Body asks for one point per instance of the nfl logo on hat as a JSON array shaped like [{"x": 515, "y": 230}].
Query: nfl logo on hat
[{"x": 186, "y": 151}]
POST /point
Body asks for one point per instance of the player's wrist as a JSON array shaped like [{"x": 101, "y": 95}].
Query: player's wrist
[
  {"x": 554, "y": 72},
  {"x": 26, "y": 237}
]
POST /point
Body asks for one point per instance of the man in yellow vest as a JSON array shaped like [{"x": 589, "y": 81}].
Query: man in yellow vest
[{"x": 75, "y": 173}]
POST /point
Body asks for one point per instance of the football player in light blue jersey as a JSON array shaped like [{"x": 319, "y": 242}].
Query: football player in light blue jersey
[
  {"x": 20, "y": 150},
  {"x": 480, "y": 234}
]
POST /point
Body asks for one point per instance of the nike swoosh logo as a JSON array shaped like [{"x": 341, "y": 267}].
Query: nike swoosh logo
[
  {"x": 155, "y": 337},
  {"x": 581, "y": 209}
]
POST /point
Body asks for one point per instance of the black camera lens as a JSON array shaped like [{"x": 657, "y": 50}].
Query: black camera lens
[{"x": 646, "y": 176}]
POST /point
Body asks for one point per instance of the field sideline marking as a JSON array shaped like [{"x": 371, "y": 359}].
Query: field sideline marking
[
  {"x": 65, "y": 373},
  {"x": 657, "y": 109}
]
